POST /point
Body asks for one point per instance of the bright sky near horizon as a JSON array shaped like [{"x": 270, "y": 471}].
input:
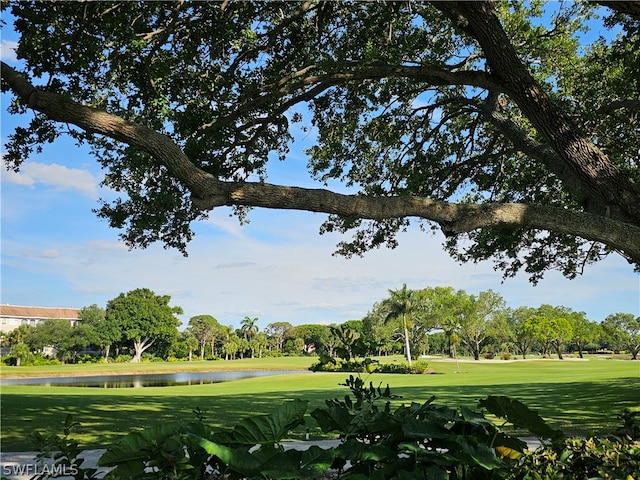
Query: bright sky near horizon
[{"x": 57, "y": 253}]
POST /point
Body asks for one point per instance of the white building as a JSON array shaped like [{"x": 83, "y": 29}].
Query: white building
[{"x": 12, "y": 316}]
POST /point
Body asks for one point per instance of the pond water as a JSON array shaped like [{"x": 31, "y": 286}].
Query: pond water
[{"x": 146, "y": 380}]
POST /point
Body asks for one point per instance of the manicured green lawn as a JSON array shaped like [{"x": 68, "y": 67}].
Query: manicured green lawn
[{"x": 578, "y": 396}]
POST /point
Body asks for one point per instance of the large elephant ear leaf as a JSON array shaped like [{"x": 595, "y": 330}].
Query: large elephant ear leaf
[
  {"x": 521, "y": 416},
  {"x": 269, "y": 428}
]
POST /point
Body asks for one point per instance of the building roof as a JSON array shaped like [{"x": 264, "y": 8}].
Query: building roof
[{"x": 39, "y": 312}]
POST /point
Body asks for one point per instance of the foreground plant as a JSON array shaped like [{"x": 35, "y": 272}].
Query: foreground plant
[{"x": 378, "y": 441}]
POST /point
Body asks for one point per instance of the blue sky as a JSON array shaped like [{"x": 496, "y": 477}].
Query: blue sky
[{"x": 56, "y": 252}]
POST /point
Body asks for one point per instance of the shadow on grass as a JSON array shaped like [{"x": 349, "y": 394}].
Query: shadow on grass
[{"x": 578, "y": 408}]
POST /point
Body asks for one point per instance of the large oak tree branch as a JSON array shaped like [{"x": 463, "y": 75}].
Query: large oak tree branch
[
  {"x": 606, "y": 184},
  {"x": 209, "y": 192},
  {"x": 453, "y": 218}
]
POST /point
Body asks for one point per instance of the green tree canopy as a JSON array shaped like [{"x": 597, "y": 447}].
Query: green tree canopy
[
  {"x": 144, "y": 318},
  {"x": 106, "y": 332},
  {"x": 91, "y": 315},
  {"x": 52, "y": 332},
  {"x": 278, "y": 331},
  {"x": 499, "y": 123},
  {"x": 475, "y": 330},
  {"x": 206, "y": 329},
  {"x": 522, "y": 329},
  {"x": 552, "y": 327},
  {"x": 623, "y": 331}
]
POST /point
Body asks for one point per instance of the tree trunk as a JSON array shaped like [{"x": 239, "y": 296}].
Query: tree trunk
[
  {"x": 452, "y": 347},
  {"x": 202, "y": 347},
  {"x": 584, "y": 168},
  {"x": 407, "y": 347},
  {"x": 106, "y": 353},
  {"x": 140, "y": 345}
]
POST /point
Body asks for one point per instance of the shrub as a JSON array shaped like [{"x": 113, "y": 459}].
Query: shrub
[
  {"x": 419, "y": 367},
  {"x": 88, "y": 358},
  {"x": 39, "y": 359},
  {"x": 609, "y": 458},
  {"x": 505, "y": 355},
  {"x": 368, "y": 365}
]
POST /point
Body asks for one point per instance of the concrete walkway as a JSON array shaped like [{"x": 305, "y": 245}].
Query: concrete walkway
[{"x": 23, "y": 465}]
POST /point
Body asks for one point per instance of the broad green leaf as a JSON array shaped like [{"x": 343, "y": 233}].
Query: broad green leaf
[
  {"x": 360, "y": 452},
  {"x": 137, "y": 445},
  {"x": 269, "y": 428},
  {"x": 311, "y": 463},
  {"x": 238, "y": 459},
  {"x": 520, "y": 415},
  {"x": 333, "y": 418}
]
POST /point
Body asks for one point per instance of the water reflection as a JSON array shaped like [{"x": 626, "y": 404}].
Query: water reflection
[{"x": 146, "y": 380}]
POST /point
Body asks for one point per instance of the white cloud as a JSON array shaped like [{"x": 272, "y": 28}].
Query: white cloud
[
  {"x": 57, "y": 176},
  {"x": 8, "y": 51}
]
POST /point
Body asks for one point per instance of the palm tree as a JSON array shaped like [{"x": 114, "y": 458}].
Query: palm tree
[
  {"x": 249, "y": 327},
  {"x": 401, "y": 304}
]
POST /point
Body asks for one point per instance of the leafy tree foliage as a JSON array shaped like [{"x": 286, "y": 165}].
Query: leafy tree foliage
[
  {"x": 583, "y": 331},
  {"x": 106, "y": 332},
  {"x": 302, "y": 336},
  {"x": 522, "y": 330},
  {"x": 54, "y": 333},
  {"x": 552, "y": 327},
  {"x": 624, "y": 331},
  {"x": 449, "y": 307},
  {"x": 144, "y": 318},
  {"x": 475, "y": 327},
  {"x": 278, "y": 331},
  {"x": 21, "y": 352},
  {"x": 490, "y": 121},
  {"x": 206, "y": 329},
  {"x": 19, "y": 334}
]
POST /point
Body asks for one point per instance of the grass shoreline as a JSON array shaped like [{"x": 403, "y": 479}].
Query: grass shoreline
[{"x": 112, "y": 369}]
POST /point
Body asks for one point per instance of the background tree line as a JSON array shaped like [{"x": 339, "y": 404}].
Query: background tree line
[{"x": 435, "y": 320}]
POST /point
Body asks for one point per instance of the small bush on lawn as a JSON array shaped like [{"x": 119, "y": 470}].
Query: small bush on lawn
[
  {"x": 419, "y": 367},
  {"x": 368, "y": 365}
]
